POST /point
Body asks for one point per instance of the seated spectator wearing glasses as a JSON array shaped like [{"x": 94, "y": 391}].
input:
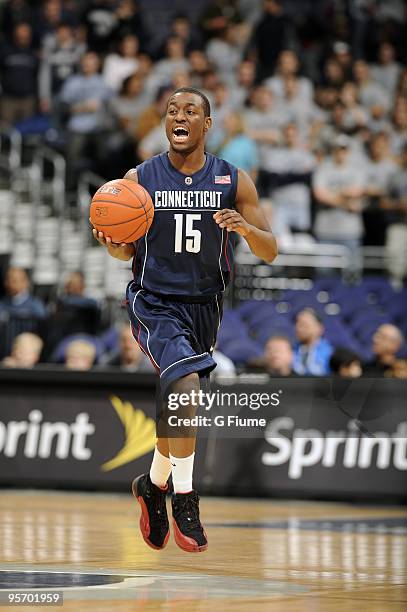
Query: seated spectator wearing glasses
[
  {"x": 25, "y": 352},
  {"x": 345, "y": 363},
  {"x": 387, "y": 341},
  {"x": 312, "y": 352}
]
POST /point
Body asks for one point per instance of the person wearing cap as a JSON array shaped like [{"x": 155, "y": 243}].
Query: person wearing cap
[
  {"x": 312, "y": 351},
  {"x": 338, "y": 189}
]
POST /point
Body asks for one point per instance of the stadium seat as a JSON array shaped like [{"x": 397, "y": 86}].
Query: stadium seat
[{"x": 241, "y": 352}]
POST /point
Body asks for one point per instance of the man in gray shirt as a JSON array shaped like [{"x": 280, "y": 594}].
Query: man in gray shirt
[
  {"x": 338, "y": 189},
  {"x": 290, "y": 167}
]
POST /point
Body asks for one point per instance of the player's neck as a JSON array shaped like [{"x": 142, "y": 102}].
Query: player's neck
[{"x": 190, "y": 162}]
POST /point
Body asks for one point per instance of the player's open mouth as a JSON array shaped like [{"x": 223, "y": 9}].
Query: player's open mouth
[{"x": 180, "y": 134}]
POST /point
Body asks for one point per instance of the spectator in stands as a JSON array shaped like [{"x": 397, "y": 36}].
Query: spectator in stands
[
  {"x": 245, "y": 79},
  {"x": 181, "y": 27},
  {"x": 288, "y": 66},
  {"x": 355, "y": 116},
  {"x": 217, "y": 16},
  {"x": 333, "y": 73},
  {"x": 129, "y": 20},
  {"x": 72, "y": 313},
  {"x": 154, "y": 140},
  {"x": 80, "y": 355},
  {"x": 398, "y": 128},
  {"x": 18, "y": 300},
  {"x": 270, "y": 37},
  {"x": 379, "y": 172},
  {"x": 18, "y": 70},
  {"x": 235, "y": 146},
  {"x": 394, "y": 204},
  {"x": 312, "y": 352},
  {"x": 126, "y": 108},
  {"x": 14, "y": 12},
  {"x": 370, "y": 93},
  {"x": 101, "y": 21},
  {"x": 120, "y": 65},
  {"x": 338, "y": 189},
  {"x": 74, "y": 291},
  {"x": 128, "y": 355},
  {"x": 221, "y": 104},
  {"x": 60, "y": 56},
  {"x": 199, "y": 66},
  {"x": 289, "y": 169},
  {"x": 387, "y": 341},
  {"x": 85, "y": 97},
  {"x": 387, "y": 72},
  {"x": 279, "y": 356},
  {"x": 263, "y": 118},
  {"x": 225, "y": 52},
  {"x": 19, "y": 310},
  {"x": 130, "y": 103},
  {"x": 341, "y": 53},
  {"x": 25, "y": 351},
  {"x": 345, "y": 363},
  {"x": 174, "y": 61},
  {"x": 153, "y": 114},
  {"x": 302, "y": 111},
  {"x": 49, "y": 15}
]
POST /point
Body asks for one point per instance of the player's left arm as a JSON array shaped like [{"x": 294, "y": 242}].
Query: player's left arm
[{"x": 249, "y": 220}]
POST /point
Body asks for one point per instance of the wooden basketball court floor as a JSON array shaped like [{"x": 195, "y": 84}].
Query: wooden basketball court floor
[{"x": 263, "y": 555}]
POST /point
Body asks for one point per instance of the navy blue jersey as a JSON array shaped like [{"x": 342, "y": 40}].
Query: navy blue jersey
[{"x": 185, "y": 252}]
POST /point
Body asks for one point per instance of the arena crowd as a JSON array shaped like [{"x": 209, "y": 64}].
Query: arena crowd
[{"x": 309, "y": 97}]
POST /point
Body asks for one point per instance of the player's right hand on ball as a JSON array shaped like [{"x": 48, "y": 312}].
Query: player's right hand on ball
[
  {"x": 106, "y": 240},
  {"x": 122, "y": 251}
]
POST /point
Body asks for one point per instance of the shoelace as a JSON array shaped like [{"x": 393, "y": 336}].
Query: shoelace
[
  {"x": 189, "y": 505},
  {"x": 160, "y": 511}
]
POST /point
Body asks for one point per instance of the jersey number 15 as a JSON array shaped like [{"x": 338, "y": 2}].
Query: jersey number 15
[{"x": 192, "y": 236}]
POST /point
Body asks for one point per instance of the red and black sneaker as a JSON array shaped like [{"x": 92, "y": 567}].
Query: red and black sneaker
[
  {"x": 188, "y": 531},
  {"x": 154, "y": 519}
]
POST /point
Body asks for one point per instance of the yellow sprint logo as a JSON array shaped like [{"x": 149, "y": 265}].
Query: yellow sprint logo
[{"x": 139, "y": 431}]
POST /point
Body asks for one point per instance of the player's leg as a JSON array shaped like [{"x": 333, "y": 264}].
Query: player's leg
[
  {"x": 187, "y": 528},
  {"x": 151, "y": 489},
  {"x": 166, "y": 333}
]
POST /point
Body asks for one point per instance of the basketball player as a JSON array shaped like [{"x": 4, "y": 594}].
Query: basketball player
[{"x": 181, "y": 268}]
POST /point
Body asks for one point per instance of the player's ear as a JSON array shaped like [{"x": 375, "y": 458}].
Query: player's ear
[{"x": 208, "y": 123}]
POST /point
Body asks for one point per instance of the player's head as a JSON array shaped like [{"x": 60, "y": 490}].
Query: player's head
[{"x": 187, "y": 119}]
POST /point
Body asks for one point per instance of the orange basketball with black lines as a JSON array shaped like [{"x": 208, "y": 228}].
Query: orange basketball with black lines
[{"x": 123, "y": 210}]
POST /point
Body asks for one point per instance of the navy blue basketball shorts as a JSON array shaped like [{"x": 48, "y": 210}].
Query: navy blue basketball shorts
[{"x": 177, "y": 337}]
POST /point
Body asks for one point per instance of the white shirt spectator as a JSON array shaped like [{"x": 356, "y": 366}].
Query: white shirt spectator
[
  {"x": 117, "y": 68},
  {"x": 291, "y": 202}
]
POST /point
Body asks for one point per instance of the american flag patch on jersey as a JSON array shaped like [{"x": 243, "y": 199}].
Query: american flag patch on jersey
[{"x": 223, "y": 180}]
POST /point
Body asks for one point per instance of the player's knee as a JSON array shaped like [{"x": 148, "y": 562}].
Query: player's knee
[
  {"x": 184, "y": 393},
  {"x": 186, "y": 384}
]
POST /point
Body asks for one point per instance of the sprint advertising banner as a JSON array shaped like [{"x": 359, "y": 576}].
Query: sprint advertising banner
[
  {"x": 84, "y": 430},
  {"x": 299, "y": 436}
]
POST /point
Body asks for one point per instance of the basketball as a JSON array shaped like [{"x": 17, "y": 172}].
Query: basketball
[{"x": 122, "y": 209}]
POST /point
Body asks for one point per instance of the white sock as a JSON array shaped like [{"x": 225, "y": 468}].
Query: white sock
[
  {"x": 182, "y": 468},
  {"x": 160, "y": 469}
]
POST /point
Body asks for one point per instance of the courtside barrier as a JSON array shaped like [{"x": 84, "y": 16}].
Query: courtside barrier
[{"x": 288, "y": 437}]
